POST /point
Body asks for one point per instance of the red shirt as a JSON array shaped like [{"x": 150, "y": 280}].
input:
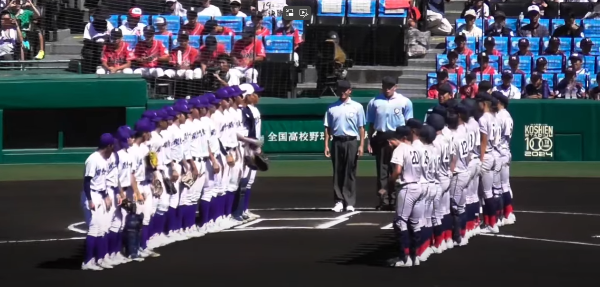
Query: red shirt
[
  {"x": 207, "y": 57},
  {"x": 297, "y": 39},
  {"x": 432, "y": 93},
  {"x": 467, "y": 52},
  {"x": 453, "y": 70},
  {"x": 245, "y": 52},
  {"x": 226, "y": 31},
  {"x": 165, "y": 33},
  {"x": 488, "y": 71},
  {"x": 468, "y": 91},
  {"x": 114, "y": 57},
  {"x": 156, "y": 51},
  {"x": 189, "y": 56},
  {"x": 195, "y": 30},
  {"x": 494, "y": 53},
  {"x": 263, "y": 32}
]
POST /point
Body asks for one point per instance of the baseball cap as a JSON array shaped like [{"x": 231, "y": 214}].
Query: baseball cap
[
  {"x": 499, "y": 14},
  {"x": 576, "y": 56},
  {"x": 343, "y": 85},
  {"x": 235, "y": 2},
  {"x": 439, "y": 110},
  {"x": 462, "y": 109},
  {"x": 483, "y": 96},
  {"x": 149, "y": 30},
  {"x": 106, "y": 139},
  {"x": 257, "y": 88},
  {"x": 401, "y": 132},
  {"x": 414, "y": 123},
  {"x": 513, "y": 59},
  {"x": 203, "y": 102},
  {"x": 116, "y": 33},
  {"x": 523, "y": 41},
  {"x": 428, "y": 133},
  {"x": 541, "y": 61},
  {"x": 490, "y": 40},
  {"x": 143, "y": 126},
  {"x": 569, "y": 71},
  {"x": 238, "y": 90},
  {"x": 222, "y": 94},
  {"x": 436, "y": 121},
  {"x": 160, "y": 116},
  {"x": 507, "y": 74},
  {"x": 181, "y": 102},
  {"x": 388, "y": 82},
  {"x": 460, "y": 37},
  {"x": 123, "y": 133},
  {"x": 182, "y": 108},
  {"x": 249, "y": 90},
  {"x": 485, "y": 85},
  {"x": 483, "y": 56},
  {"x": 183, "y": 36},
  {"x": 171, "y": 113},
  {"x": 471, "y": 12},
  {"x": 135, "y": 12},
  {"x": 332, "y": 35},
  {"x": 442, "y": 74},
  {"x": 555, "y": 40},
  {"x": 160, "y": 21},
  {"x": 535, "y": 76},
  {"x": 500, "y": 97},
  {"x": 452, "y": 54},
  {"x": 444, "y": 89},
  {"x": 149, "y": 114},
  {"x": 470, "y": 77},
  {"x": 212, "y": 99},
  {"x": 231, "y": 92},
  {"x": 586, "y": 41},
  {"x": 533, "y": 9}
]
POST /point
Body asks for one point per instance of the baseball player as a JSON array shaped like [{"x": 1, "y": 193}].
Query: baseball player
[
  {"x": 406, "y": 174},
  {"x": 236, "y": 134},
  {"x": 415, "y": 127},
  {"x": 506, "y": 123},
  {"x": 487, "y": 131},
  {"x": 95, "y": 202},
  {"x": 441, "y": 206},
  {"x": 429, "y": 162},
  {"x": 111, "y": 234},
  {"x": 459, "y": 162},
  {"x": 116, "y": 56},
  {"x": 222, "y": 122},
  {"x": 214, "y": 116},
  {"x": 148, "y": 53}
]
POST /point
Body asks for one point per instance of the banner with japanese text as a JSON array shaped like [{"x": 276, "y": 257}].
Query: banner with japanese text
[{"x": 286, "y": 136}]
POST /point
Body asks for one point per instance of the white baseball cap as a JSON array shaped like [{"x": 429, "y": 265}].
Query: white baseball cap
[
  {"x": 160, "y": 20},
  {"x": 533, "y": 8},
  {"x": 235, "y": 1},
  {"x": 249, "y": 90},
  {"x": 471, "y": 12}
]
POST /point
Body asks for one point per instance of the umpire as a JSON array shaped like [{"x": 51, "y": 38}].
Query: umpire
[
  {"x": 385, "y": 113},
  {"x": 344, "y": 122}
]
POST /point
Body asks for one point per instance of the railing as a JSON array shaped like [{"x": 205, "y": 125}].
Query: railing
[{"x": 41, "y": 65}]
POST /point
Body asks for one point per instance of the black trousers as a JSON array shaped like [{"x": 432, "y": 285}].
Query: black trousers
[
  {"x": 344, "y": 157},
  {"x": 383, "y": 156}
]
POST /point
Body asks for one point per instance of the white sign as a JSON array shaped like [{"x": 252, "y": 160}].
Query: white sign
[
  {"x": 272, "y": 8},
  {"x": 539, "y": 140}
]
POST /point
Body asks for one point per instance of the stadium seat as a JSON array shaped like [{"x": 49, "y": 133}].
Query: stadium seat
[
  {"x": 114, "y": 20},
  {"x": 591, "y": 27},
  {"x": 358, "y": 34},
  {"x": 534, "y": 45},
  {"x": 442, "y": 59},
  {"x": 511, "y": 23},
  {"x": 580, "y": 78},
  {"x": 501, "y": 45},
  {"x": 331, "y": 12},
  {"x": 144, "y": 20},
  {"x": 279, "y": 48},
  {"x": 566, "y": 44},
  {"x": 512, "y": 9},
  {"x": 471, "y": 43},
  {"x": 311, "y": 3},
  {"x": 577, "y": 43},
  {"x": 551, "y": 78},
  {"x": 132, "y": 40},
  {"x": 560, "y": 22},
  {"x": 298, "y": 24},
  {"x": 517, "y": 80},
  {"x": 226, "y": 40},
  {"x": 361, "y": 12},
  {"x": 589, "y": 63},
  {"x": 173, "y": 23},
  {"x": 579, "y": 9},
  {"x": 480, "y": 23},
  {"x": 390, "y": 17},
  {"x": 165, "y": 40},
  {"x": 494, "y": 62},
  {"x": 232, "y": 22},
  {"x": 432, "y": 80},
  {"x": 593, "y": 83},
  {"x": 555, "y": 63},
  {"x": 194, "y": 42},
  {"x": 525, "y": 63}
]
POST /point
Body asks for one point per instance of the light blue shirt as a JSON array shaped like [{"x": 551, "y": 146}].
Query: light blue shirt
[
  {"x": 388, "y": 114},
  {"x": 345, "y": 118}
]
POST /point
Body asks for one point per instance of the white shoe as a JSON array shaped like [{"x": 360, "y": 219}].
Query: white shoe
[
  {"x": 251, "y": 215},
  {"x": 464, "y": 241},
  {"x": 429, "y": 252},
  {"x": 350, "y": 208},
  {"x": 91, "y": 266},
  {"x": 136, "y": 259},
  {"x": 104, "y": 264},
  {"x": 416, "y": 262},
  {"x": 210, "y": 228},
  {"x": 477, "y": 230},
  {"x": 500, "y": 222},
  {"x": 236, "y": 221},
  {"x": 443, "y": 247},
  {"x": 449, "y": 243},
  {"x": 148, "y": 253},
  {"x": 114, "y": 260},
  {"x": 489, "y": 229},
  {"x": 397, "y": 262},
  {"x": 119, "y": 257},
  {"x": 510, "y": 220},
  {"x": 339, "y": 207}
]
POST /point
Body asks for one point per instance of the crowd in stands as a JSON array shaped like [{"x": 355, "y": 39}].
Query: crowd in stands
[
  {"x": 20, "y": 35},
  {"x": 529, "y": 56}
]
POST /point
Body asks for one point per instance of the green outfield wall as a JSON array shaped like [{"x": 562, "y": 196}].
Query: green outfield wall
[{"x": 58, "y": 118}]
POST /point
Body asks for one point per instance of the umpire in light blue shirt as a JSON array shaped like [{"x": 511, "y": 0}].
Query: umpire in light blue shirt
[
  {"x": 344, "y": 123},
  {"x": 385, "y": 113}
]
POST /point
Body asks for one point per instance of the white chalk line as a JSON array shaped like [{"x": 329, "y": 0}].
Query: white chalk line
[
  {"x": 389, "y": 226},
  {"x": 541, "y": 239},
  {"x": 41, "y": 240}
]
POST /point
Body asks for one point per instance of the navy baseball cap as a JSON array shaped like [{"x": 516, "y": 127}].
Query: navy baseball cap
[
  {"x": 428, "y": 133},
  {"x": 500, "y": 97},
  {"x": 462, "y": 109},
  {"x": 514, "y": 59},
  {"x": 489, "y": 40},
  {"x": 483, "y": 96},
  {"x": 414, "y": 123},
  {"x": 507, "y": 74},
  {"x": 436, "y": 121},
  {"x": 257, "y": 88},
  {"x": 576, "y": 56},
  {"x": 222, "y": 94},
  {"x": 182, "y": 108},
  {"x": 586, "y": 41},
  {"x": 523, "y": 42},
  {"x": 440, "y": 110},
  {"x": 541, "y": 61},
  {"x": 402, "y": 131},
  {"x": 106, "y": 139}
]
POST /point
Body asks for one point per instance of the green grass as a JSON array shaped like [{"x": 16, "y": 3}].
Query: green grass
[{"x": 305, "y": 168}]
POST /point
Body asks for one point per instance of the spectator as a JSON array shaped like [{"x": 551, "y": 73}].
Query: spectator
[
  {"x": 442, "y": 80},
  {"x": 523, "y": 45},
  {"x": 469, "y": 29},
  {"x": 533, "y": 29},
  {"x": 498, "y": 28},
  {"x": 133, "y": 25},
  {"x": 37, "y": 39},
  {"x": 25, "y": 17},
  {"x": 513, "y": 63},
  {"x": 436, "y": 22},
  {"x": 288, "y": 29},
  {"x": 484, "y": 65},
  {"x": 161, "y": 24},
  {"x": 176, "y": 9},
  {"x": 235, "y": 6},
  {"x": 507, "y": 88},
  {"x": 207, "y": 9},
  {"x": 570, "y": 87},
  {"x": 184, "y": 60},
  {"x": 481, "y": 9},
  {"x": 212, "y": 27},
  {"x": 452, "y": 67},
  {"x": 461, "y": 46},
  {"x": 148, "y": 53},
  {"x": 95, "y": 34},
  {"x": 485, "y": 86},
  {"x": 594, "y": 14},
  {"x": 246, "y": 53},
  {"x": 586, "y": 45},
  {"x": 226, "y": 76},
  {"x": 116, "y": 56},
  {"x": 257, "y": 23},
  {"x": 595, "y": 91},
  {"x": 576, "y": 60},
  {"x": 569, "y": 29},
  {"x": 543, "y": 6},
  {"x": 490, "y": 47},
  {"x": 554, "y": 47},
  {"x": 470, "y": 89},
  {"x": 538, "y": 88},
  {"x": 209, "y": 52},
  {"x": 541, "y": 65},
  {"x": 192, "y": 26},
  {"x": 10, "y": 37}
]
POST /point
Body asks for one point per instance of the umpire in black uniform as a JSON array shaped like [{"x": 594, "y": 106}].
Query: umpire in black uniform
[{"x": 344, "y": 122}]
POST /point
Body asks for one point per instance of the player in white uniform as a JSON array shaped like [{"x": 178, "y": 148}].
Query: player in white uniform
[
  {"x": 233, "y": 147},
  {"x": 253, "y": 124},
  {"x": 223, "y": 123},
  {"x": 506, "y": 123},
  {"x": 215, "y": 189},
  {"x": 95, "y": 202},
  {"x": 487, "y": 130},
  {"x": 410, "y": 206},
  {"x": 112, "y": 191},
  {"x": 429, "y": 162}
]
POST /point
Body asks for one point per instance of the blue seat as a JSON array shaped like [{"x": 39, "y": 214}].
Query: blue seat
[
  {"x": 384, "y": 13},
  {"x": 232, "y": 22},
  {"x": 550, "y": 78},
  {"x": 591, "y": 27},
  {"x": 194, "y": 42},
  {"x": 442, "y": 59},
  {"x": 267, "y": 22},
  {"x": 555, "y": 63},
  {"x": 589, "y": 63},
  {"x": 298, "y": 25},
  {"x": 432, "y": 80},
  {"x": 494, "y": 62},
  {"x": 517, "y": 80},
  {"x": 113, "y": 19},
  {"x": 131, "y": 40},
  {"x": 279, "y": 44},
  {"x": 478, "y": 23},
  {"x": 580, "y": 78},
  {"x": 511, "y": 23},
  {"x": 331, "y": 14},
  {"x": 144, "y": 20},
  {"x": 525, "y": 63},
  {"x": 201, "y": 19},
  {"x": 226, "y": 40},
  {"x": 358, "y": 14},
  {"x": 593, "y": 83},
  {"x": 164, "y": 39},
  {"x": 501, "y": 45},
  {"x": 471, "y": 43},
  {"x": 543, "y": 22},
  {"x": 173, "y": 23},
  {"x": 566, "y": 44},
  {"x": 577, "y": 45},
  {"x": 239, "y": 37},
  {"x": 534, "y": 45}
]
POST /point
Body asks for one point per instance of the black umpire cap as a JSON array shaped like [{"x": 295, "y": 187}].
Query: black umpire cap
[{"x": 436, "y": 121}]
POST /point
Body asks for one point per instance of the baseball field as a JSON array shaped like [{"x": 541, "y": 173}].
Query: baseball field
[{"x": 299, "y": 242}]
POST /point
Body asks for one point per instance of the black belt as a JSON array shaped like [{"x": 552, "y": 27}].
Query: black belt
[
  {"x": 344, "y": 138},
  {"x": 230, "y": 149},
  {"x": 200, "y": 158}
]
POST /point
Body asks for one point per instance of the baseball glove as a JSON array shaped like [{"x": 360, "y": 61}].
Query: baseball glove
[
  {"x": 169, "y": 186},
  {"x": 188, "y": 180},
  {"x": 157, "y": 189},
  {"x": 257, "y": 162},
  {"x": 152, "y": 159}
]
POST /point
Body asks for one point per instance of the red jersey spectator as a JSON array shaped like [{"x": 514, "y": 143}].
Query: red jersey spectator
[
  {"x": 116, "y": 57},
  {"x": 193, "y": 27},
  {"x": 211, "y": 27},
  {"x": 248, "y": 50},
  {"x": 257, "y": 23},
  {"x": 442, "y": 80},
  {"x": 461, "y": 46},
  {"x": 469, "y": 91},
  {"x": 452, "y": 67},
  {"x": 490, "y": 45},
  {"x": 210, "y": 51},
  {"x": 149, "y": 52},
  {"x": 184, "y": 60},
  {"x": 288, "y": 29},
  {"x": 161, "y": 24},
  {"x": 484, "y": 65},
  {"x": 523, "y": 48}
]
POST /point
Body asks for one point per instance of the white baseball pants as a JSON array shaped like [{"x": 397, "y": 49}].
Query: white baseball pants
[
  {"x": 94, "y": 218},
  {"x": 195, "y": 192},
  {"x": 149, "y": 72},
  {"x": 410, "y": 206},
  {"x": 102, "y": 71},
  {"x": 250, "y": 74},
  {"x": 194, "y": 74}
]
